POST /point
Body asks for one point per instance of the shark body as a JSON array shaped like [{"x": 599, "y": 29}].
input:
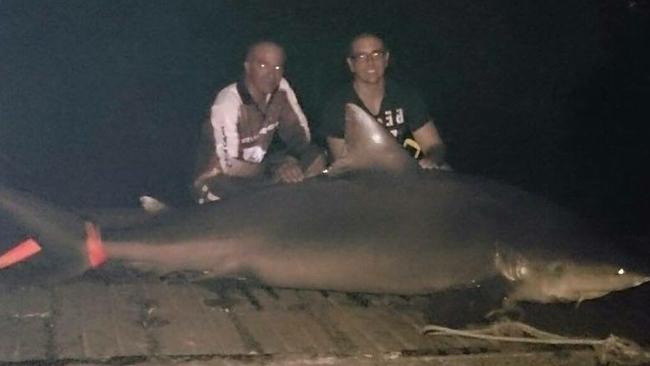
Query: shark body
[{"x": 374, "y": 223}]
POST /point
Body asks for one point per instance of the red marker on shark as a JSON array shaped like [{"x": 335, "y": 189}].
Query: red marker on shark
[
  {"x": 30, "y": 247},
  {"x": 96, "y": 251},
  {"x": 23, "y": 251}
]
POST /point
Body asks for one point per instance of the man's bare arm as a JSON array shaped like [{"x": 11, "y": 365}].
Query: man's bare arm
[{"x": 432, "y": 146}]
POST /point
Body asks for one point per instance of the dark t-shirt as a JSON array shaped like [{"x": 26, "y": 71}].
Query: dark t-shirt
[{"x": 402, "y": 111}]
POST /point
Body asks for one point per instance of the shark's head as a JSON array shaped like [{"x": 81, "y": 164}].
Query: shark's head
[
  {"x": 370, "y": 147},
  {"x": 563, "y": 280}
]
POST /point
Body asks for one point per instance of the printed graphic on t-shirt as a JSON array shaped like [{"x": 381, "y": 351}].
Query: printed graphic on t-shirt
[
  {"x": 392, "y": 119},
  {"x": 263, "y": 131},
  {"x": 254, "y": 146}
]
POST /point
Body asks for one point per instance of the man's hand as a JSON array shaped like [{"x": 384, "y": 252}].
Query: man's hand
[{"x": 288, "y": 172}]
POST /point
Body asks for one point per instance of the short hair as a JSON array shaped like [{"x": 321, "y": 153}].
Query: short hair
[
  {"x": 365, "y": 35},
  {"x": 263, "y": 43}
]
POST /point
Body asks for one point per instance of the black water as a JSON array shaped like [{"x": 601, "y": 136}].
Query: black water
[{"x": 100, "y": 101}]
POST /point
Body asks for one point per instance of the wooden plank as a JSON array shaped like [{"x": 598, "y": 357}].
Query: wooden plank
[
  {"x": 224, "y": 331},
  {"x": 97, "y": 321},
  {"x": 403, "y": 317},
  {"x": 343, "y": 320},
  {"x": 318, "y": 308},
  {"x": 257, "y": 325},
  {"x": 126, "y": 315},
  {"x": 409, "y": 311},
  {"x": 188, "y": 324},
  {"x": 182, "y": 324},
  {"x": 25, "y": 317},
  {"x": 369, "y": 321},
  {"x": 298, "y": 331},
  {"x": 581, "y": 358},
  {"x": 323, "y": 339}
]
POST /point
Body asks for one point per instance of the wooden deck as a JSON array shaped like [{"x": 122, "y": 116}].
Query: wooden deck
[{"x": 117, "y": 317}]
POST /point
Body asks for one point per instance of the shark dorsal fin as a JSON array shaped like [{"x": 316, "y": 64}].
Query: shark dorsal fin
[{"x": 370, "y": 147}]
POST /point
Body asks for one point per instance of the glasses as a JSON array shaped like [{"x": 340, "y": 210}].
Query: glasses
[
  {"x": 265, "y": 66},
  {"x": 365, "y": 57}
]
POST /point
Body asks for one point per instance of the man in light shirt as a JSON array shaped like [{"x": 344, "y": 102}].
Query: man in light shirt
[{"x": 248, "y": 121}]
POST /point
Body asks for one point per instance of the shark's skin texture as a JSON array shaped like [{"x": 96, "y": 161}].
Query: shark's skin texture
[{"x": 371, "y": 225}]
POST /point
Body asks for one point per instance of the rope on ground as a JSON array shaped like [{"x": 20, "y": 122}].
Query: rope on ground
[{"x": 612, "y": 349}]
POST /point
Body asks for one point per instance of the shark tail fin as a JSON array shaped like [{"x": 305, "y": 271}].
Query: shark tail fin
[
  {"x": 24, "y": 250},
  {"x": 29, "y": 247},
  {"x": 70, "y": 245}
]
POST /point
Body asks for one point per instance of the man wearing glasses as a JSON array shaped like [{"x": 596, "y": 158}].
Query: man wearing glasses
[
  {"x": 398, "y": 109},
  {"x": 237, "y": 142}
]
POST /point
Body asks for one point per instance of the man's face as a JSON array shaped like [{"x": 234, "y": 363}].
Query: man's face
[
  {"x": 368, "y": 60},
  {"x": 264, "y": 68}
]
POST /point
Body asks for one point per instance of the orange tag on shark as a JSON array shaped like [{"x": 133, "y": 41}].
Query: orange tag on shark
[
  {"x": 19, "y": 253},
  {"x": 94, "y": 247}
]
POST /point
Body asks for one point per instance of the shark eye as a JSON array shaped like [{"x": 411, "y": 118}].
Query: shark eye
[
  {"x": 522, "y": 271},
  {"x": 620, "y": 271}
]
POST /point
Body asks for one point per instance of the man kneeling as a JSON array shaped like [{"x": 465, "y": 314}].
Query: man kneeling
[{"x": 256, "y": 133}]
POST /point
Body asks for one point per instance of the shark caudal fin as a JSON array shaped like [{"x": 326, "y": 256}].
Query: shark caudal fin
[
  {"x": 371, "y": 148},
  {"x": 62, "y": 244},
  {"x": 22, "y": 251}
]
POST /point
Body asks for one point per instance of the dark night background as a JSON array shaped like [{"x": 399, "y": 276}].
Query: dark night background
[{"x": 101, "y": 101}]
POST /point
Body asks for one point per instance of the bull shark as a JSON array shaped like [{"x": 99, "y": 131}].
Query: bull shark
[{"x": 374, "y": 223}]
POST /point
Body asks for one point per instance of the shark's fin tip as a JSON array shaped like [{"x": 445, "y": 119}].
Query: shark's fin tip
[{"x": 20, "y": 252}]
